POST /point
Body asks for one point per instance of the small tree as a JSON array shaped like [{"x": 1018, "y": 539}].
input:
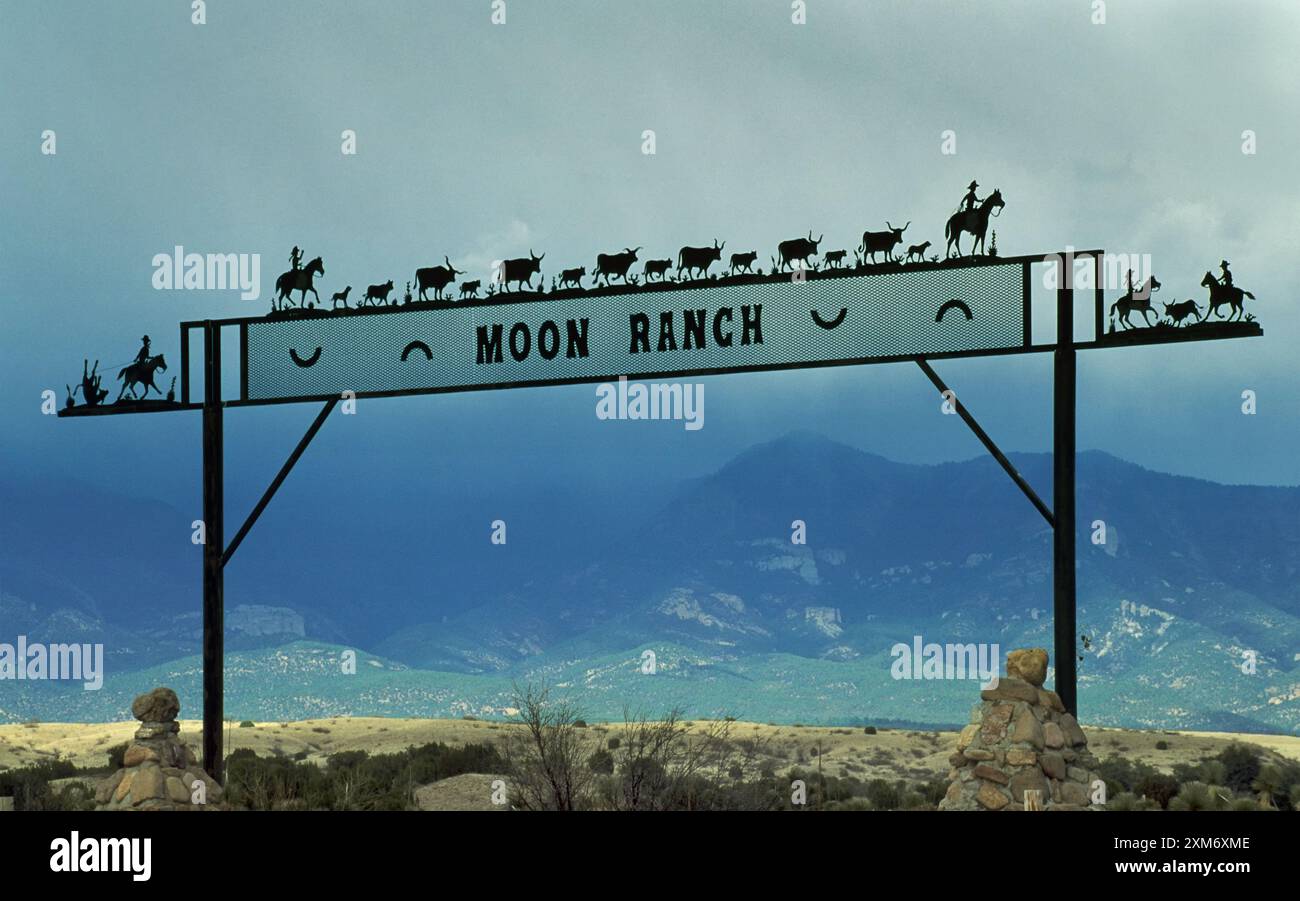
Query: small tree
[
  {"x": 548, "y": 759},
  {"x": 661, "y": 764}
]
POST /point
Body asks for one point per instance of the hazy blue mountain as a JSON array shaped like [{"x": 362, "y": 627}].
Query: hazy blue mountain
[{"x": 742, "y": 620}]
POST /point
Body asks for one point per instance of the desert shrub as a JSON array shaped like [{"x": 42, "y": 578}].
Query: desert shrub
[
  {"x": 613, "y": 743},
  {"x": 883, "y": 795},
  {"x": 911, "y": 799},
  {"x": 31, "y": 790},
  {"x": 1200, "y": 796},
  {"x": 346, "y": 760},
  {"x": 1158, "y": 787},
  {"x": 1241, "y": 766},
  {"x": 869, "y": 730},
  {"x": 580, "y": 724},
  {"x": 1270, "y": 785},
  {"x": 1210, "y": 770},
  {"x": 1128, "y": 801},
  {"x": 246, "y": 724},
  {"x": 116, "y": 754},
  {"x": 824, "y": 791},
  {"x": 601, "y": 762},
  {"x": 435, "y": 761},
  {"x": 1121, "y": 774},
  {"x": 850, "y": 804},
  {"x": 1162, "y": 745},
  {"x": 350, "y": 780},
  {"x": 934, "y": 790}
]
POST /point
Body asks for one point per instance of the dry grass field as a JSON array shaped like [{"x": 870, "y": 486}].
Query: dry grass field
[{"x": 888, "y": 754}]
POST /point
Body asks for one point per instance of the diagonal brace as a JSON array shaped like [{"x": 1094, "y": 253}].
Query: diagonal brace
[
  {"x": 279, "y": 479},
  {"x": 987, "y": 442}
]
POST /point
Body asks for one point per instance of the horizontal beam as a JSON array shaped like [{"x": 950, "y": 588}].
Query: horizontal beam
[{"x": 1139, "y": 337}]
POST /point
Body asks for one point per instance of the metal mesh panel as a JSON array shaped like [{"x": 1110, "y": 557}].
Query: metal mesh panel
[{"x": 886, "y": 315}]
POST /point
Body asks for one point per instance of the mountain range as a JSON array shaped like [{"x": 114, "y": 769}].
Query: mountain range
[{"x": 773, "y": 589}]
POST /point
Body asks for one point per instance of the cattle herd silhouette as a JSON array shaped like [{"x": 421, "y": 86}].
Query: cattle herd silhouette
[
  {"x": 693, "y": 266},
  {"x": 703, "y": 266}
]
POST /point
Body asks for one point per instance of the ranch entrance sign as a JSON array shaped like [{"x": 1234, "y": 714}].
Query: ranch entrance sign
[
  {"x": 838, "y": 315},
  {"x": 745, "y": 324}
]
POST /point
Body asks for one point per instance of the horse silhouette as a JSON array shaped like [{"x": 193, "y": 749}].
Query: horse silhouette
[
  {"x": 298, "y": 280},
  {"x": 1221, "y": 294},
  {"x": 141, "y": 374},
  {"x": 975, "y": 221},
  {"x": 1139, "y": 300}
]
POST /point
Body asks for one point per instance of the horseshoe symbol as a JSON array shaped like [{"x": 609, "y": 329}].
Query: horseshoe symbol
[
  {"x": 833, "y": 323},
  {"x": 310, "y": 361},
  {"x": 417, "y": 345},
  {"x": 953, "y": 304}
]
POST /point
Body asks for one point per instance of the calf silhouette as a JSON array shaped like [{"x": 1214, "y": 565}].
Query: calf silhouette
[
  {"x": 835, "y": 258},
  {"x": 572, "y": 277},
  {"x": 1180, "y": 311},
  {"x": 656, "y": 267},
  {"x": 740, "y": 262},
  {"x": 340, "y": 295},
  {"x": 379, "y": 293},
  {"x": 470, "y": 289},
  {"x": 918, "y": 251}
]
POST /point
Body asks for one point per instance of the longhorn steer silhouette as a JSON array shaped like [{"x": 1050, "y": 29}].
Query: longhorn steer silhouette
[
  {"x": 699, "y": 258},
  {"x": 521, "y": 270},
  {"x": 437, "y": 278},
  {"x": 882, "y": 242},
  {"x": 797, "y": 249},
  {"x": 608, "y": 264}
]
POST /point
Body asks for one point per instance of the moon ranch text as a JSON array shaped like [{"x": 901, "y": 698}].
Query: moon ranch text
[{"x": 685, "y": 329}]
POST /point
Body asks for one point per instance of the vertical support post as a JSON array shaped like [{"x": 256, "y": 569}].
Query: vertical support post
[
  {"x": 1098, "y": 298},
  {"x": 1063, "y": 449},
  {"x": 213, "y": 547}
]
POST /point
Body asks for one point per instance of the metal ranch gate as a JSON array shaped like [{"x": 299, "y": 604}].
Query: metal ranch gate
[{"x": 847, "y": 316}]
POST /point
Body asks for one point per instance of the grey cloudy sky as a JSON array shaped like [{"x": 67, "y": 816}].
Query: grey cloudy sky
[{"x": 480, "y": 141}]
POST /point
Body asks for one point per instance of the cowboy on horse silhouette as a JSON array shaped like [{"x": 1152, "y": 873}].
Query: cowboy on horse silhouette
[
  {"x": 144, "y": 351},
  {"x": 1136, "y": 299},
  {"x": 1223, "y": 291},
  {"x": 972, "y": 216},
  {"x": 299, "y": 279}
]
